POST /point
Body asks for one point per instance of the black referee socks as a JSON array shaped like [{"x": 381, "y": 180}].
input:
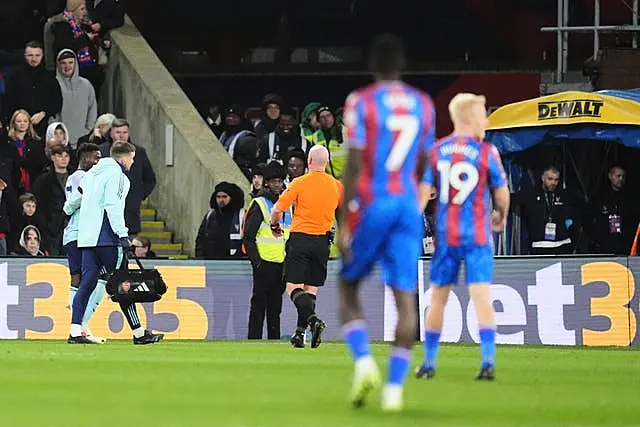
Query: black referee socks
[{"x": 305, "y": 305}]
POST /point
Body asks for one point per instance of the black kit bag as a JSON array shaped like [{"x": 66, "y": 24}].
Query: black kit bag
[{"x": 143, "y": 285}]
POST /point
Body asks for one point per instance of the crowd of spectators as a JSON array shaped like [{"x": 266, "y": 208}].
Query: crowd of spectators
[{"x": 47, "y": 115}]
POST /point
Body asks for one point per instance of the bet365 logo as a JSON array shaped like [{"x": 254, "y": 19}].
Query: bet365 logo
[{"x": 566, "y": 303}]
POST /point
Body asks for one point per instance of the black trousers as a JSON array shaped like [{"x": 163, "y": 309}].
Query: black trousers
[{"x": 268, "y": 287}]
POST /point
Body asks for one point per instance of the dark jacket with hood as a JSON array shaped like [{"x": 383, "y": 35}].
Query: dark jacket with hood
[
  {"x": 11, "y": 163},
  {"x": 33, "y": 89},
  {"x": 220, "y": 231},
  {"x": 143, "y": 181},
  {"x": 266, "y": 125}
]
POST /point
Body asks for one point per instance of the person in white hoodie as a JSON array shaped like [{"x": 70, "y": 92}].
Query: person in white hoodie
[{"x": 79, "y": 106}]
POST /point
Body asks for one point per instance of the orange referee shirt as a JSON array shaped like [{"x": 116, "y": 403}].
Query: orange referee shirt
[{"x": 317, "y": 195}]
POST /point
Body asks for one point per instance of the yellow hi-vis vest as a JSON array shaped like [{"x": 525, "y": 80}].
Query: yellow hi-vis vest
[
  {"x": 271, "y": 248},
  {"x": 338, "y": 152}
]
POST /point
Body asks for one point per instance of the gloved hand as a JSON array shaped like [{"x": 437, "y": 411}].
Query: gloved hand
[
  {"x": 332, "y": 237},
  {"x": 276, "y": 229},
  {"x": 125, "y": 243}
]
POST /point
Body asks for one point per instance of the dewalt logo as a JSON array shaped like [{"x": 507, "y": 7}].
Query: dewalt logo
[{"x": 569, "y": 109}]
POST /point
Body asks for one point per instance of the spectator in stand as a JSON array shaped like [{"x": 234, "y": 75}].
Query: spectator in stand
[
  {"x": 29, "y": 215},
  {"x": 79, "y": 105},
  {"x": 34, "y": 89},
  {"x": 547, "y": 211},
  {"x": 23, "y": 153},
  {"x": 247, "y": 152},
  {"x": 271, "y": 105},
  {"x": 286, "y": 137},
  {"x": 310, "y": 123},
  {"x": 84, "y": 37},
  {"x": 29, "y": 244},
  {"x": 100, "y": 133},
  {"x": 331, "y": 135},
  {"x": 613, "y": 216},
  {"x": 142, "y": 247},
  {"x": 219, "y": 235},
  {"x": 141, "y": 175},
  {"x": 106, "y": 14},
  {"x": 8, "y": 215},
  {"x": 49, "y": 190},
  {"x": 235, "y": 126},
  {"x": 257, "y": 179},
  {"x": 57, "y": 133},
  {"x": 296, "y": 165},
  {"x": 214, "y": 120}
]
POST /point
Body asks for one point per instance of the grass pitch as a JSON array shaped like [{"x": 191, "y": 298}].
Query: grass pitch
[{"x": 185, "y": 384}]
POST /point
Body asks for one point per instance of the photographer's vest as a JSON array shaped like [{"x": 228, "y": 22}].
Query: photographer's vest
[
  {"x": 235, "y": 232},
  {"x": 271, "y": 248},
  {"x": 338, "y": 152}
]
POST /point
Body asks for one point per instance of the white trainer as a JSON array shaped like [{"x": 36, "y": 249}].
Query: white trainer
[
  {"x": 365, "y": 380},
  {"x": 392, "y": 398},
  {"x": 88, "y": 335}
]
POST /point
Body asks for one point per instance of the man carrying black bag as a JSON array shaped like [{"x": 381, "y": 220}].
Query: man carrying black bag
[
  {"x": 266, "y": 253},
  {"x": 103, "y": 236}
]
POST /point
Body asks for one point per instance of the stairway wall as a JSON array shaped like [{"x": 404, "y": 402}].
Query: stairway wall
[{"x": 141, "y": 89}]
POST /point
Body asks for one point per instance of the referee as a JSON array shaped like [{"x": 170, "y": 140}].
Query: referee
[{"x": 316, "y": 195}]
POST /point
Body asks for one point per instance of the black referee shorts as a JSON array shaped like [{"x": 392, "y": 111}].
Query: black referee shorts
[{"x": 306, "y": 259}]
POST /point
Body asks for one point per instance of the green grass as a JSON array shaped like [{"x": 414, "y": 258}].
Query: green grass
[{"x": 187, "y": 384}]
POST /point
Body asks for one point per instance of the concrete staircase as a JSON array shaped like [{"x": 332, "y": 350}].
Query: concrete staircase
[{"x": 161, "y": 238}]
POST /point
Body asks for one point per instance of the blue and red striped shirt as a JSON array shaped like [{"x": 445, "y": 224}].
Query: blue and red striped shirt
[
  {"x": 464, "y": 170},
  {"x": 394, "y": 123}
]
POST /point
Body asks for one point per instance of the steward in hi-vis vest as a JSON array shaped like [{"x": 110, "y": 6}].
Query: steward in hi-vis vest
[{"x": 266, "y": 253}]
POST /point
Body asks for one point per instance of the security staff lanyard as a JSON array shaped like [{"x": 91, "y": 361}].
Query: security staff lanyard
[{"x": 550, "y": 227}]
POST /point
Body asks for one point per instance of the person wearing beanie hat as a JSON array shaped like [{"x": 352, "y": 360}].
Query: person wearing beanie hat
[
  {"x": 235, "y": 127},
  {"x": 331, "y": 135},
  {"x": 75, "y": 32},
  {"x": 219, "y": 232},
  {"x": 271, "y": 105},
  {"x": 266, "y": 254}
]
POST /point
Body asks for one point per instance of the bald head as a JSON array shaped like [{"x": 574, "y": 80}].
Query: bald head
[{"x": 318, "y": 158}]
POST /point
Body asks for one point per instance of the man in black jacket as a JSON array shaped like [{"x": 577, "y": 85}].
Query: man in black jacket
[
  {"x": 33, "y": 88},
  {"x": 49, "y": 190},
  {"x": 267, "y": 258},
  {"x": 550, "y": 214},
  {"x": 219, "y": 233},
  {"x": 141, "y": 175}
]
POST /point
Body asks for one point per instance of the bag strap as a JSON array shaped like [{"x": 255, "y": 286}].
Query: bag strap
[{"x": 125, "y": 260}]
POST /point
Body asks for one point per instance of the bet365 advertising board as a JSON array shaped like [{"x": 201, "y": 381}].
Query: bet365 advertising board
[{"x": 558, "y": 301}]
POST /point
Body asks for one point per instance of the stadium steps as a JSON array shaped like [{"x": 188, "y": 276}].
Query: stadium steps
[{"x": 161, "y": 238}]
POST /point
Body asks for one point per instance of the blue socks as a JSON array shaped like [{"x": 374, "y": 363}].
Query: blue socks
[
  {"x": 357, "y": 339},
  {"x": 398, "y": 365},
  {"x": 431, "y": 346},
  {"x": 94, "y": 301},
  {"x": 488, "y": 345}
]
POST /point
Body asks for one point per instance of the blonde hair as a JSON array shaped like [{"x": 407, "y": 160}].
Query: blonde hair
[
  {"x": 105, "y": 119},
  {"x": 461, "y": 103},
  {"x": 12, "y": 125}
]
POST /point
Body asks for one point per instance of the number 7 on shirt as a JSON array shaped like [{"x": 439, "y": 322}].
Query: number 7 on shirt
[{"x": 405, "y": 128}]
